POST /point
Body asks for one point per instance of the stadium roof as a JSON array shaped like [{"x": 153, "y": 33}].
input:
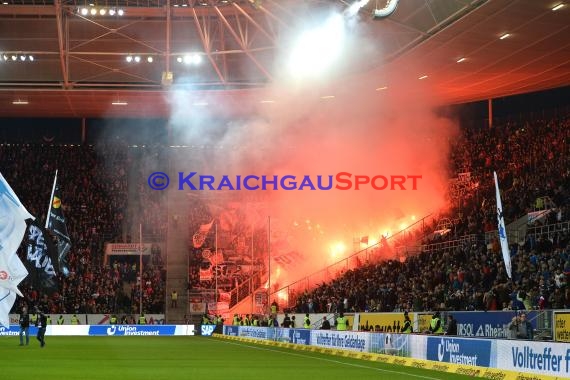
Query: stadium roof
[{"x": 80, "y": 65}]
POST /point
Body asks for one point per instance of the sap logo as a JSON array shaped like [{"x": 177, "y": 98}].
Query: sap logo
[
  {"x": 111, "y": 330},
  {"x": 207, "y": 330}
]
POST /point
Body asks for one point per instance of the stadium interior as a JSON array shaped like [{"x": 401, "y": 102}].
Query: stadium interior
[{"x": 110, "y": 93}]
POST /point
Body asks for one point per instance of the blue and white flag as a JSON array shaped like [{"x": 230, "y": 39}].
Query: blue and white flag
[
  {"x": 502, "y": 230},
  {"x": 13, "y": 217}
]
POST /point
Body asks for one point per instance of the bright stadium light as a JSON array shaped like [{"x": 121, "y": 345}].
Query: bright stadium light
[{"x": 317, "y": 50}]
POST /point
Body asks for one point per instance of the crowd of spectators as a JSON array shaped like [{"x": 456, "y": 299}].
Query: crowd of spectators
[
  {"x": 94, "y": 186},
  {"x": 148, "y": 206},
  {"x": 532, "y": 161}
]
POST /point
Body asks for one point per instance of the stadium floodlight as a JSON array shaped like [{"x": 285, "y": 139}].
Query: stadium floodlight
[
  {"x": 196, "y": 59},
  {"x": 317, "y": 50},
  {"x": 120, "y": 12},
  {"x": 84, "y": 11},
  {"x": 112, "y": 12},
  {"x": 388, "y": 9},
  {"x": 93, "y": 11}
]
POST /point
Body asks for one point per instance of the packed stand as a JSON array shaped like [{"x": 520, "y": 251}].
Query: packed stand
[
  {"x": 93, "y": 181},
  {"x": 532, "y": 161}
]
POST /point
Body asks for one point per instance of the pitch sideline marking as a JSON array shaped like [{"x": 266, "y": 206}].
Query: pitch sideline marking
[{"x": 330, "y": 360}]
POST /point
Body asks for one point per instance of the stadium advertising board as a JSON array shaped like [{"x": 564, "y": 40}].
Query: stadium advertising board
[
  {"x": 278, "y": 334},
  {"x": 562, "y": 327},
  {"x": 476, "y": 352},
  {"x": 254, "y": 332},
  {"x": 14, "y": 330},
  {"x": 149, "y": 330},
  {"x": 390, "y": 344},
  {"x": 231, "y": 330},
  {"x": 491, "y": 324},
  {"x": 207, "y": 330},
  {"x": 545, "y": 358},
  {"x": 347, "y": 340},
  {"x": 300, "y": 336}
]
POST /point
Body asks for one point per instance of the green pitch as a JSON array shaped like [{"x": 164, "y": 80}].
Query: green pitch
[{"x": 172, "y": 358}]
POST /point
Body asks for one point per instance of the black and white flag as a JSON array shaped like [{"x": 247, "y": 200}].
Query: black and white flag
[{"x": 55, "y": 222}]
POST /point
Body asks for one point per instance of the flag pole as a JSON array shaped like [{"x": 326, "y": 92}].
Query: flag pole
[
  {"x": 252, "y": 290},
  {"x": 51, "y": 198},
  {"x": 140, "y": 269},
  {"x": 269, "y": 256},
  {"x": 216, "y": 271}
]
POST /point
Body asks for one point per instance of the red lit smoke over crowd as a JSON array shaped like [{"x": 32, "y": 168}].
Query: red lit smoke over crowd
[{"x": 323, "y": 126}]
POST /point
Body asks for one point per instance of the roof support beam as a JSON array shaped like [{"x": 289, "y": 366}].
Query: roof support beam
[
  {"x": 61, "y": 43},
  {"x": 204, "y": 34},
  {"x": 243, "y": 45}
]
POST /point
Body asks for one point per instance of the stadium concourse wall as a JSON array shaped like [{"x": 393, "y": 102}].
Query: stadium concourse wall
[{"x": 490, "y": 358}]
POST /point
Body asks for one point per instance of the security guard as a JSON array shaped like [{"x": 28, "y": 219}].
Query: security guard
[
  {"x": 33, "y": 318},
  {"x": 407, "y": 328},
  {"x": 341, "y": 323},
  {"x": 307, "y": 322},
  {"x": 236, "y": 320},
  {"x": 142, "y": 319},
  {"x": 60, "y": 320},
  {"x": 205, "y": 319},
  {"x": 113, "y": 320},
  {"x": 48, "y": 319},
  {"x": 74, "y": 320},
  {"x": 435, "y": 325}
]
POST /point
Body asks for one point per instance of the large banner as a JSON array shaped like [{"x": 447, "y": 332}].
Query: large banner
[
  {"x": 476, "y": 352},
  {"x": 536, "y": 357},
  {"x": 130, "y": 249},
  {"x": 381, "y": 322}
]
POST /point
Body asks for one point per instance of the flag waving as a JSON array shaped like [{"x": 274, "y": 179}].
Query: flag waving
[
  {"x": 55, "y": 222},
  {"x": 13, "y": 217},
  {"x": 502, "y": 230},
  {"x": 41, "y": 259}
]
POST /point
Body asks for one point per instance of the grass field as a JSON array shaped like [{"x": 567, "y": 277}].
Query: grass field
[{"x": 173, "y": 358}]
